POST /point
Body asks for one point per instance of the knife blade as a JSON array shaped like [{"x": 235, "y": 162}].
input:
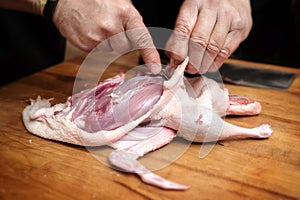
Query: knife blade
[{"x": 163, "y": 74}]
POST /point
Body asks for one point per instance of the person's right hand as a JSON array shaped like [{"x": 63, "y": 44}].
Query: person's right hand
[{"x": 88, "y": 23}]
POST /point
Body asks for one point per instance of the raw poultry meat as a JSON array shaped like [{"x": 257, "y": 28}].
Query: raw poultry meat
[{"x": 142, "y": 114}]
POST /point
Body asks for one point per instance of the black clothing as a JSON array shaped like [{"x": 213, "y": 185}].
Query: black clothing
[{"x": 29, "y": 43}]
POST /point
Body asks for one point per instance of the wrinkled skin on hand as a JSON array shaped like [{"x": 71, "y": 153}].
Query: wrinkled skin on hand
[
  {"x": 208, "y": 31},
  {"x": 88, "y": 23}
]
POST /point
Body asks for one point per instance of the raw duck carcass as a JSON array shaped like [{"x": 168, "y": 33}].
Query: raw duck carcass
[{"x": 142, "y": 114}]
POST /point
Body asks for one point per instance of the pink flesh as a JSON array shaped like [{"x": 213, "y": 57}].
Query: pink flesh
[
  {"x": 242, "y": 106},
  {"x": 110, "y": 114},
  {"x": 137, "y": 143},
  {"x": 197, "y": 117},
  {"x": 115, "y": 104}
]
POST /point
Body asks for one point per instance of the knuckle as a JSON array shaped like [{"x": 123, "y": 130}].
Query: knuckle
[
  {"x": 83, "y": 44},
  {"x": 182, "y": 28},
  {"x": 85, "y": 47},
  {"x": 224, "y": 53},
  {"x": 125, "y": 9},
  {"x": 240, "y": 24},
  {"x": 103, "y": 26},
  {"x": 213, "y": 46},
  {"x": 198, "y": 41}
]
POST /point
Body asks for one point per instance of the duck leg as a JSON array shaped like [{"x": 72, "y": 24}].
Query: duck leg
[{"x": 137, "y": 143}]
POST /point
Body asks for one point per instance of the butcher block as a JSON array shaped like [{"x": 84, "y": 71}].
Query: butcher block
[{"x": 36, "y": 168}]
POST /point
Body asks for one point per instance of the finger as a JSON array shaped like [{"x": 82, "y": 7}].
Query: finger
[
  {"x": 235, "y": 36},
  {"x": 216, "y": 41},
  {"x": 199, "y": 39},
  {"x": 177, "y": 48},
  {"x": 120, "y": 43},
  {"x": 141, "y": 40},
  {"x": 232, "y": 42},
  {"x": 177, "y": 45}
]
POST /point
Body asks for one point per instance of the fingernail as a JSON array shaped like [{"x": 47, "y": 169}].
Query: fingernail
[{"x": 154, "y": 68}]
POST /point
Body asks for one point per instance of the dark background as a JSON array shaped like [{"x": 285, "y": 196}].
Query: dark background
[
  {"x": 274, "y": 37},
  {"x": 30, "y": 43}
]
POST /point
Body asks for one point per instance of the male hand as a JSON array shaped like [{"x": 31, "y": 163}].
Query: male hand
[
  {"x": 208, "y": 31},
  {"x": 116, "y": 24}
]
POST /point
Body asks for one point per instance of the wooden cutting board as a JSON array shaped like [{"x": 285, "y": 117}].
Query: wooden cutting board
[{"x": 36, "y": 168}]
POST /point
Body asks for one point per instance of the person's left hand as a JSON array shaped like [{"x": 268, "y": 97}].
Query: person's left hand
[{"x": 208, "y": 31}]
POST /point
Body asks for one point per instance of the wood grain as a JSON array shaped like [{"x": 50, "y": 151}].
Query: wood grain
[{"x": 36, "y": 168}]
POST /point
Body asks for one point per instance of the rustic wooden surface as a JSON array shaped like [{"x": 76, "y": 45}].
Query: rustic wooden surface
[{"x": 36, "y": 168}]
